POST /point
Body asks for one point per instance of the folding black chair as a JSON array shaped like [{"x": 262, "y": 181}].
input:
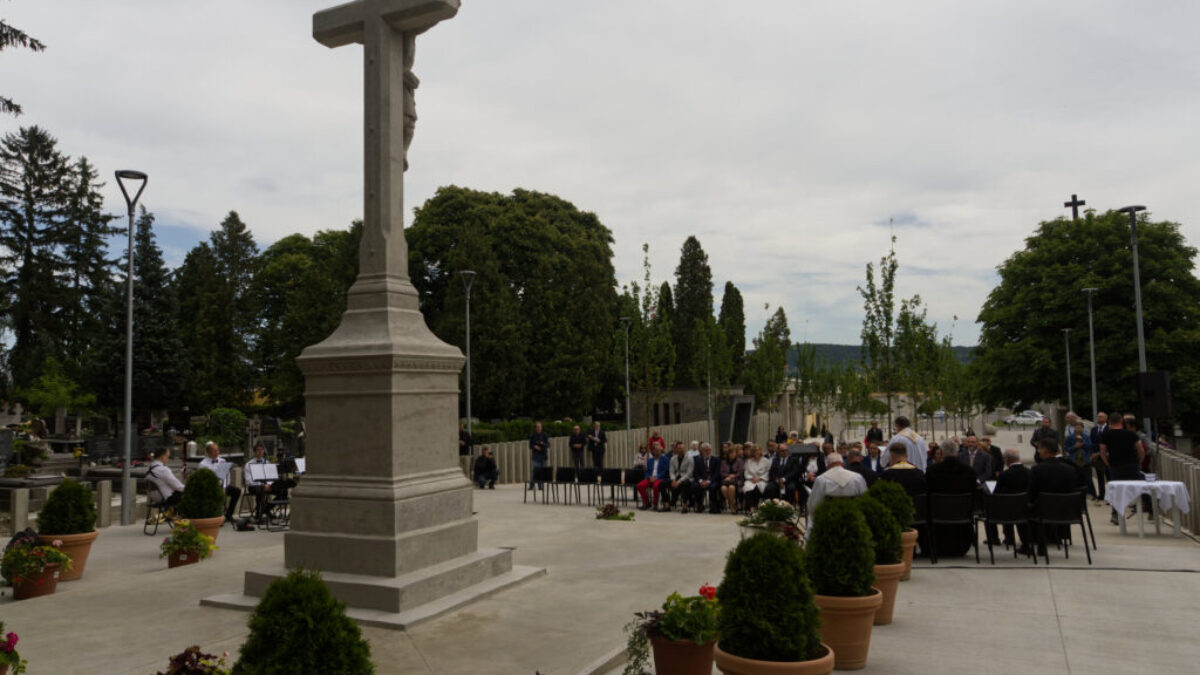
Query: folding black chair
[
  {"x": 541, "y": 476},
  {"x": 1005, "y": 509},
  {"x": 611, "y": 479},
  {"x": 631, "y": 479},
  {"x": 155, "y": 513},
  {"x": 565, "y": 476},
  {"x": 951, "y": 509},
  {"x": 1061, "y": 509}
]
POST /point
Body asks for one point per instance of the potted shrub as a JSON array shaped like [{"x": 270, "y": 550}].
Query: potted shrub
[
  {"x": 69, "y": 516},
  {"x": 203, "y": 502},
  {"x": 11, "y": 662},
  {"x": 768, "y": 622},
  {"x": 298, "y": 627},
  {"x": 900, "y": 503},
  {"x": 889, "y": 559},
  {"x": 841, "y": 565},
  {"x": 185, "y": 545},
  {"x": 682, "y": 635},
  {"x": 32, "y": 569}
]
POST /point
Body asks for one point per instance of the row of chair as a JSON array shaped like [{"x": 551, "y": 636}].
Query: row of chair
[
  {"x": 621, "y": 484},
  {"x": 1055, "y": 512}
]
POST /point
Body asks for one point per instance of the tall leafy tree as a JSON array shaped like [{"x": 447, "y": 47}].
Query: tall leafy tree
[
  {"x": 652, "y": 348},
  {"x": 693, "y": 309},
  {"x": 766, "y": 366},
  {"x": 879, "y": 326},
  {"x": 732, "y": 320},
  {"x": 916, "y": 352},
  {"x": 11, "y": 36},
  {"x": 1021, "y": 355}
]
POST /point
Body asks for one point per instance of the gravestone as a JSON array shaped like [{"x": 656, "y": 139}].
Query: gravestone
[
  {"x": 384, "y": 510},
  {"x": 99, "y": 449},
  {"x": 100, "y": 426},
  {"x": 6, "y": 446}
]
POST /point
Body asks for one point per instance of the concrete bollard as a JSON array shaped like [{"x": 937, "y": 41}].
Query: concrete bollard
[
  {"x": 19, "y": 509},
  {"x": 103, "y": 504}
]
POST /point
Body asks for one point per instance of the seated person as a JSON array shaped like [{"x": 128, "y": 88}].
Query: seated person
[
  {"x": 901, "y": 471},
  {"x": 1014, "y": 479},
  {"x": 952, "y": 477},
  {"x": 731, "y": 476},
  {"x": 757, "y": 471},
  {"x": 706, "y": 479},
  {"x": 639, "y": 459},
  {"x": 486, "y": 470},
  {"x": 1057, "y": 475},
  {"x": 213, "y": 461},
  {"x": 680, "y": 473},
  {"x": 163, "y": 480},
  {"x": 784, "y": 475},
  {"x": 259, "y": 488},
  {"x": 657, "y": 472},
  {"x": 854, "y": 462}
]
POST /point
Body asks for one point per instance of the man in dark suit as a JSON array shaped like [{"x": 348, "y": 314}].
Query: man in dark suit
[
  {"x": 1101, "y": 469},
  {"x": 597, "y": 443},
  {"x": 1044, "y": 431},
  {"x": 979, "y": 460},
  {"x": 784, "y": 476},
  {"x": 854, "y": 462},
  {"x": 706, "y": 480},
  {"x": 874, "y": 459},
  {"x": 1054, "y": 475},
  {"x": 1014, "y": 479}
]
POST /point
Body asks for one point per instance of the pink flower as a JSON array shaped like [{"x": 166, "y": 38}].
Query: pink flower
[
  {"x": 12, "y": 640},
  {"x": 56, "y": 543}
]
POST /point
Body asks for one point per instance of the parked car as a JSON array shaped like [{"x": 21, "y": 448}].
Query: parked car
[{"x": 1025, "y": 417}]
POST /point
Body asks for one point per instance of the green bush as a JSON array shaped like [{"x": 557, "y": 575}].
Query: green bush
[
  {"x": 203, "y": 496},
  {"x": 897, "y": 500},
  {"x": 767, "y": 610},
  {"x": 226, "y": 426},
  {"x": 298, "y": 627},
  {"x": 483, "y": 433},
  {"x": 841, "y": 554},
  {"x": 70, "y": 509},
  {"x": 885, "y": 531}
]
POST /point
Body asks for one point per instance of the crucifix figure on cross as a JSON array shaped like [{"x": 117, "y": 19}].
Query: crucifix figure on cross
[{"x": 387, "y": 30}]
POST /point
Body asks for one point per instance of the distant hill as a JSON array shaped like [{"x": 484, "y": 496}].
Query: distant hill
[{"x": 843, "y": 353}]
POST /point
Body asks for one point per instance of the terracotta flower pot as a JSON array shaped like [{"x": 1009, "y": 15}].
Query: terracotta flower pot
[
  {"x": 209, "y": 526},
  {"x": 37, "y": 586},
  {"x": 887, "y": 580},
  {"x": 846, "y": 627},
  {"x": 908, "y": 540},
  {"x": 736, "y": 665},
  {"x": 682, "y": 657},
  {"x": 77, "y": 546},
  {"x": 182, "y": 558}
]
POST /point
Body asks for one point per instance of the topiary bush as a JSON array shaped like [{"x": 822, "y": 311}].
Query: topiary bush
[
  {"x": 840, "y": 552},
  {"x": 203, "y": 496},
  {"x": 897, "y": 500},
  {"x": 767, "y": 610},
  {"x": 226, "y": 426},
  {"x": 70, "y": 509},
  {"x": 298, "y": 627},
  {"x": 885, "y": 531}
]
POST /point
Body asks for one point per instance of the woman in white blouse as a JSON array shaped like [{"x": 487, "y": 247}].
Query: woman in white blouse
[{"x": 757, "y": 471}]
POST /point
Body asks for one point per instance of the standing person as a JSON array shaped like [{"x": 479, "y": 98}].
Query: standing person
[
  {"x": 731, "y": 477},
  {"x": 1123, "y": 453},
  {"x": 985, "y": 443},
  {"x": 780, "y": 435},
  {"x": 1098, "y": 465},
  {"x": 656, "y": 439},
  {"x": 706, "y": 477},
  {"x": 1079, "y": 450},
  {"x": 465, "y": 445},
  {"x": 539, "y": 451},
  {"x": 979, "y": 460},
  {"x": 213, "y": 461},
  {"x": 597, "y": 443},
  {"x": 873, "y": 460},
  {"x": 916, "y": 446},
  {"x": 837, "y": 481},
  {"x": 1044, "y": 431},
  {"x": 576, "y": 443},
  {"x": 874, "y": 434},
  {"x": 486, "y": 470}
]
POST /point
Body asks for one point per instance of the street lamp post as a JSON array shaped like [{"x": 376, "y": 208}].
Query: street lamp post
[
  {"x": 628, "y": 418},
  {"x": 1092, "y": 347},
  {"x": 126, "y": 483},
  {"x": 468, "y": 278},
  {"x": 1067, "y": 341},
  {"x": 1137, "y": 297}
]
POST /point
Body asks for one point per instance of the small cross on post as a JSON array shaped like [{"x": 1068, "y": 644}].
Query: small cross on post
[{"x": 1074, "y": 205}]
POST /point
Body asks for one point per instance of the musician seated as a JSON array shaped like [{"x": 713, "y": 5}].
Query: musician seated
[
  {"x": 213, "y": 461},
  {"x": 163, "y": 480}
]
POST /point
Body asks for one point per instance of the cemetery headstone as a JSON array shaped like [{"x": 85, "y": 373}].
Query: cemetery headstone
[
  {"x": 6, "y": 446},
  {"x": 100, "y": 449},
  {"x": 101, "y": 426}
]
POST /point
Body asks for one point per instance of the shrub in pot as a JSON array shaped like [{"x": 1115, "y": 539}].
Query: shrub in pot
[
  {"x": 69, "y": 517},
  {"x": 203, "y": 502},
  {"x": 298, "y": 627},
  {"x": 682, "y": 634},
  {"x": 768, "y": 618},
  {"x": 841, "y": 565},
  {"x": 889, "y": 557},
  {"x": 897, "y": 500}
]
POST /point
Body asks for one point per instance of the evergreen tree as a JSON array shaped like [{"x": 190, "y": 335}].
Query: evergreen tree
[
  {"x": 11, "y": 36},
  {"x": 777, "y": 329},
  {"x": 34, "y": 203},
  {"x": 86, "y": 232},
  {"x": 766, "y": 366},
  {"x": 664, "y": 306},
  {"x": 732, "y": 320},
  {"x": 693, "y": 309},
  {"x": 209, "y": 342}
]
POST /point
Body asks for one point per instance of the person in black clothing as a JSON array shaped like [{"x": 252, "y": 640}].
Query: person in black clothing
[
  {"x": 706, "y": 480},
  {"x": 597, "y": 443},
  {"x": 1054, "y": 475},
  {"x": 1041, "y": 432},
  {"x": 781, "y": 435},
  {"x": 539, "y": 451},
  {"x": 1013, "y": 479},
  {"x": 784, "y": 476},
  {"x": 901, "y": 471},
  {"x": 854, "y": 462},
  {"x": 1098, "y": 465},
  {"x": 576, "y": 443},
  {"x": 464, "y": 441},
  {"x": 1123, "y": 453},
  {"x": 874, "y": 434},
  {"x": 486, "y": 470},
  {"x": 952, "y": 477}
]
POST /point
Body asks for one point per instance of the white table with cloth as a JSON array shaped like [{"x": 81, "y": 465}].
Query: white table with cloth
[{"x": 1168, "y": 494}]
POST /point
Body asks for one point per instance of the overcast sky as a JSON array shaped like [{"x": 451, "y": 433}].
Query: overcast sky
[{"x": 784, "y": 134}]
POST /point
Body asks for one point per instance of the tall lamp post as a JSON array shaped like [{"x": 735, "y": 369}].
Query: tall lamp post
[
  {"x": 1067, "y": 341},
  {"x": 628, "y": 418},
  {"x": 1137, "y": 297},
  {"x": 1092, "y": 347},
  {"x": 126, "y": 484},
  {"x": 468, "y": 278}
]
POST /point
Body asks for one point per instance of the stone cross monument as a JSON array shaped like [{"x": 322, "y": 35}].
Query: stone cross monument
[{"x": 384, "y": 510}]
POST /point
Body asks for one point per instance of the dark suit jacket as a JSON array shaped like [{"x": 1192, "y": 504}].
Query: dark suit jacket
[
  {"x": 597, "y": 446},
  {"x": 912, "y": 480},
  {"x": 1054, "y": 475},
  {"x": 983, "y": 463},
  {"x": 709, "y": 471},
  {"x": 863, "y": 470},
  {"x": 1013, "y": 480},
  {"x": 788, "y": 470},
  {"x": 950, "y": 477},
  {"x": 874, "y": 464},
  {"x": 802, "y": 463}
]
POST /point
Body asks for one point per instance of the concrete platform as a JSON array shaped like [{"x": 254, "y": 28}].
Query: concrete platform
[{"x": 1130, "y": 612}]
